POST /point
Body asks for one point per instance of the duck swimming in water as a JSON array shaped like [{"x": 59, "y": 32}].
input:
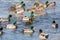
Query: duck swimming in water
[
  {"x": 54, "y": 25},
  {"x": 12, "y": 26},
  {"x": 12, "y": 8},
  {"x": 4, "y": 20},
  {"x": 32, "y": 9},
  {"x": 43, "y": 36},
  {"x": 42, "y": 7},
  {"x": 28, "y": 31},
  {"x": 36, "y": 4},
  {"x": 25, "y": 19},
  {"x": 22, "y": 4},
  {"x": 19, "y": 11},
  {"x": 17, "y": 6},
  {"x": 52, "y": 4}
]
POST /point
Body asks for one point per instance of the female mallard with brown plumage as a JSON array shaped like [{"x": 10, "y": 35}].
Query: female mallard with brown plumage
[
  {"x": 42, "y": 7},
  {"x": 32, "y": 9},
  {"x": 36, "y": 4}
]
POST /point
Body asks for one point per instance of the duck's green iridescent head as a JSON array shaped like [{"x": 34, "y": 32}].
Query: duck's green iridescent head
[
  {"x": 46, "y": 2},
  {"x": 32, "y": 14},
  {"x": 23, "y": 5},
  {"x": 31, "y": 27},
  {"x": 21, "y": 2},
  {"x": 9, "y": 16},
  {"x": 14, "y": 22}
]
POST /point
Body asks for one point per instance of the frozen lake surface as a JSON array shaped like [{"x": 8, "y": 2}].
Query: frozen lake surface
[{"x": 44, "y": 24}]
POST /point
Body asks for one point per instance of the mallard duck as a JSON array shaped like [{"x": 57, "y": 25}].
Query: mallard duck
[
  {"x": 31, "y": 14},
  {"x": 12, "y": 26},
  {"x": 19, "y": 16},
  {"x": 36, "y": 4},
  {"x": 41, "y": 7},
  {"x": 32, "y": 17},
  {"x": 6, "y": 19},
  {"x": 1, "y": 32},
  {"x": 28, "y": 31},
  {"x": 17, "y": 6},
  {"x": 20, "y": 6},
  {"x": 20, "y": 11},
  {"x": 3, "y": 19},
  {"x": 41, "y": 13},
  {"x": 43, "y": 36},
  {"x": 12, "y": 8},
  {"x": 52, "y": 4},
  {"x": 32, "y": 9},
  {"x": 54, "y": 25},
  {"x": 46, "y": 3},
  {"x": 28, "y": 23},
  {"x": 28, "y": 20},
  {"x": 25, "y": 19}
]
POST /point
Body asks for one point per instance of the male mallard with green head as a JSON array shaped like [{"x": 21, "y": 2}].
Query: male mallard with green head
[
  {"x": 29, "y": 31},
  {"x": 12, "y": 26}
]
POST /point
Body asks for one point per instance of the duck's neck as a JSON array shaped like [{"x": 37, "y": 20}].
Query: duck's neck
[
  {"x": 23, "y": 5},
  {"x": 54, "y": 23},
  {"x": 9, "y": 16},
  {"x": 14, "y": 23},
  {"x": 39, "y": 32},
  {"x": 32, "y": 15}
]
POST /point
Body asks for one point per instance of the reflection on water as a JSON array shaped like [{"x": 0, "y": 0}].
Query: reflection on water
[{"x": 40, "y": 23}]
